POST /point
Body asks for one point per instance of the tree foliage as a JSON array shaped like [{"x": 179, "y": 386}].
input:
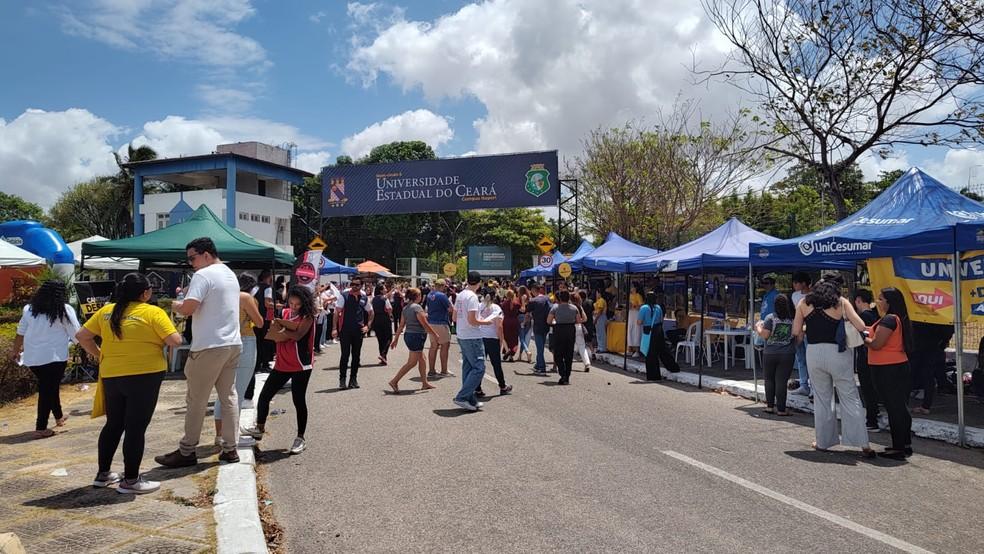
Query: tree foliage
[
  {"x": 654, "y": 185},
  {"x": 836, "y": 79},
  {"x": 13, "y": 207}
]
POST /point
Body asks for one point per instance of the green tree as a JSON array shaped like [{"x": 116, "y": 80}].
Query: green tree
[
  {"x": 13, "y": 207},
  {"x": 516, "y": 228},
  {"x": 836, "y": 79},
  {"x": 401, "y": 151},
  {"x": 94, "y": 207}
]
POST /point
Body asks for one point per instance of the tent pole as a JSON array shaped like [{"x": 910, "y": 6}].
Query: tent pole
[
  {"x": 700, "y": 342},
  {"x": 958, "y": 329},
  {"x": 749, "y": 323},
  {"x": 625, "y": 347}
]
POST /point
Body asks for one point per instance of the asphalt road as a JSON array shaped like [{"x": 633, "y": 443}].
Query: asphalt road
[{"x": 607, "y": 464}]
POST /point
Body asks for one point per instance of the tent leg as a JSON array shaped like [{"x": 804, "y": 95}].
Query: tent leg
[
  {"x": 700, "y": 341},
  {"x": 750, "y": 324},
  {"x": 625, "y": 346},
  {"x": 958, "y": 342}
]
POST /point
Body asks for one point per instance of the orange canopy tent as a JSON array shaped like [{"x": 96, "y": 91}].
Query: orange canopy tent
[{"x": 370, "y": 266}]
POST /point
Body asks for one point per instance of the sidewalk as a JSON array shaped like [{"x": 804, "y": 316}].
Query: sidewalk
[
  {"x": 49, "y": 501},
  {"x": 921, "y": 427}
]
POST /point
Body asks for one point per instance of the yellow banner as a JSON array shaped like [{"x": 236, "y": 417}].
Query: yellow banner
[{"x": 926, "y": 282}]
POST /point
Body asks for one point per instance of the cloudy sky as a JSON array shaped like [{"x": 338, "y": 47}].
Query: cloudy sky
[{"x": 83, "y": 78}]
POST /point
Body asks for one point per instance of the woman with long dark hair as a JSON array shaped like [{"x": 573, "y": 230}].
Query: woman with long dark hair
[
  {"x": 525, "y": 324},
  {"x": 382, "y": 324},
  {"x": 294, "y": 335},
  {"x": 46, "y": 327},
  {"x": 831, "y": 364},
  {"x": 131, "y": 369},
  {"x": 563, "y": 317},
  {"x": 510, "y": 325},
  {"x": 653, "y": 343},
  {"x": 779, "y": 353},
  {"x": 889, "y": 341}
]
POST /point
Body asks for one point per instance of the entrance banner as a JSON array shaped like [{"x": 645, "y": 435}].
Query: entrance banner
[
  {"x": 469, "y": 183},
  {"x": 926, "y": 283}
]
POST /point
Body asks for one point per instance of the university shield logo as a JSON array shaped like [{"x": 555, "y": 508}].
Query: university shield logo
[
  {"x": 336, "y": 192},
  {"x": 537, "y": 180}
]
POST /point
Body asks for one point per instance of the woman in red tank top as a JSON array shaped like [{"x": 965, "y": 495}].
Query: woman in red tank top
[
  {"x": 294, "y": 335},
  {"x": 889, "y": 339}
]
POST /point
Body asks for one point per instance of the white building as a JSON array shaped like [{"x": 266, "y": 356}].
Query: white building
[{"x": 247, "y": 184}]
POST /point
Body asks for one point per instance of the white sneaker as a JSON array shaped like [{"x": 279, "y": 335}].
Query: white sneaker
[
  {"x": 480, "y": 405},
  {"x": 246, "y": 440},
  {"x": 298, "y": 446},
  {"x": 105, "y": 479},
  {"x": 466, "y": 406},
  {"x": 140, "y": 486}
]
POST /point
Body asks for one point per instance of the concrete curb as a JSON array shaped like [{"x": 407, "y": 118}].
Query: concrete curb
[
  {"x": 925, "y": 428},
  {"x": 237, "y": 514}
]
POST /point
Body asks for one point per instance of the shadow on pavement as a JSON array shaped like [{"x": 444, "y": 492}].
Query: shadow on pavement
[
  {"x": 20, "y": 438},
  {"x": 270, "y": 456},
  {"x": 81, "y": 497},
  {"x": 452, "y": 412},
  {"x": 330, "y": 391},
  {"x": 161, "y": 473}
]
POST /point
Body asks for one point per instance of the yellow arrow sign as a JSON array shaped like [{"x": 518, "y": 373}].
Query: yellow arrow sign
[
  {"x": 317, "y": 244},
  {"x": 545, "y": 244}
]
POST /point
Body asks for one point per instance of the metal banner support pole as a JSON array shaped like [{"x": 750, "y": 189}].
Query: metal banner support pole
[
  {"x": 700, "y": 342},
  {"x": 958, "y": 342}
]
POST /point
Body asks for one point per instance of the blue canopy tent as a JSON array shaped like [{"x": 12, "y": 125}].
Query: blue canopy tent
[
  {"x": 540, "y": 271},
  {"x": 724, "y": 248},
  {"x": 916, "y": 215},
  {"x": 576, "y": 259},
  {"x": 329, "y": 267},
  {"x": 614, "y": 255}
]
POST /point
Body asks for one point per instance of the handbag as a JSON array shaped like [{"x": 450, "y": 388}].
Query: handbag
[{"x": 852, "y": 337}]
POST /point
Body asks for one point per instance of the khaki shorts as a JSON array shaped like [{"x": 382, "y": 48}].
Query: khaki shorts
[{"x": 443, "y": 334}]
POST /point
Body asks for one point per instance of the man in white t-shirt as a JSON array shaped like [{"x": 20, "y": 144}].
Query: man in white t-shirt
[
  {"x": 469, "y": 329},
  {"x": 212, "y": 300}
]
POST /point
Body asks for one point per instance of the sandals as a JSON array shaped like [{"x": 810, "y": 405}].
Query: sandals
[
  {"x": 769, "y": 410},
  {"x": 43, "y": 434}
]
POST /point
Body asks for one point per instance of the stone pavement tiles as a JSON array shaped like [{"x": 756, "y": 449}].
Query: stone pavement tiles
[{"x": 46, "y": 493}]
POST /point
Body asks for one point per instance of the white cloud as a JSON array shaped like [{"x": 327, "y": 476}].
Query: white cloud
[
  {"x": 42, "y": 153},
  {"x": 317, "y": 17},
  {"x": 312, "y": 162},
  {"x": 423, "y": 125},
  {"x": 959, "y": 168},
  {"x": 202, "y": 32},
  {"x": 226, "y": 99},
  {"x": 615, "y": 60}
]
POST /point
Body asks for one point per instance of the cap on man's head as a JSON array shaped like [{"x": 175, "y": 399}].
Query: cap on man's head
[
  {"x": 440, "y": 283},
  {"x": 768, "y": 279},
  {"x": 474, "y": 277}
]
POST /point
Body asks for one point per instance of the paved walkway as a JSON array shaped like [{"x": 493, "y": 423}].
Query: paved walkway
[{"x": 47, "y": 494}]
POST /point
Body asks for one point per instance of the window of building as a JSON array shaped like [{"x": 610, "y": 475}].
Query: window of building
[
  {"x": 243, "y": 216},
  {"x": 254, "y": 217},
  {"x": 265, "y": 219},
  {"x": 163, "y": 220},
  {"x": 261, "y": 187}
]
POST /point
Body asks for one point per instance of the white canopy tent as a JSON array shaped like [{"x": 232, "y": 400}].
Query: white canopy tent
[
  {"x": 12, "y": 256},
  {"x": 124, "y": 264}
]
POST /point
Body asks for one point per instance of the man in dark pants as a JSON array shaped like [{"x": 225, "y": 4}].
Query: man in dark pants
[
  {"x": 353, "y": 318},
  {"x": 869, "y": 394},
  {"x": 539, "y": 309},
  {"x": 263, "y": 294}
]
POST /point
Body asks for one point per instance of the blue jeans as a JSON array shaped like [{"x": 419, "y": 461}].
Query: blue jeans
[
  {"x": 601, "y": 332},
  {"x": 472, "y": 369},
  {"x": 541, "y": 342},
  {"x": 800, "y": 363},
  {"x": 524, "y": 334}
]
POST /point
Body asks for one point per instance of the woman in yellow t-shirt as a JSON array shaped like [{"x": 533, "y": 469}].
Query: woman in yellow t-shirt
[
  {"x": 601, "y": 321},
  {"x": 131, "y": 369}
]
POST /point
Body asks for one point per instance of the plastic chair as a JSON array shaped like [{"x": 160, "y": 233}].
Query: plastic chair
[
  {"x": 689, "y": 343},
  {"x": 747, "y": 349}
]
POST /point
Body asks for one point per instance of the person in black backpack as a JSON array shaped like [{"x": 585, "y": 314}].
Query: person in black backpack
[
  {"x": 263, "y": 294},
  {"x": 354, "y": 316}
]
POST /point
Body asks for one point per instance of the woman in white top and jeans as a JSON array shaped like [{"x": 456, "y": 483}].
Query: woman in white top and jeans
[{"x": 45, "y": 329}]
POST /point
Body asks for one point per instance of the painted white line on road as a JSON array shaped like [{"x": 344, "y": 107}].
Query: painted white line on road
[{"x": 833, "y": 518}]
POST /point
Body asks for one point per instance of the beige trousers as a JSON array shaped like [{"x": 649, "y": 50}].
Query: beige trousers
[{"x": 212, "y": 368}]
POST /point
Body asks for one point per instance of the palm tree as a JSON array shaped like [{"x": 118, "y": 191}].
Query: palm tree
[{"x": 123, "y": 216}]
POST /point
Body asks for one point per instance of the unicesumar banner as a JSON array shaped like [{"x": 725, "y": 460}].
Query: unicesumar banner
[{"x": 926, "y": 283}]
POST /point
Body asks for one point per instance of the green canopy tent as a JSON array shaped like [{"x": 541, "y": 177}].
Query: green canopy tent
[{"x": 166, "y": 247}]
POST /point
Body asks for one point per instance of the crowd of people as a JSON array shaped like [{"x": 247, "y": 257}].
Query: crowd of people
[{"x": 237, "y": 326}]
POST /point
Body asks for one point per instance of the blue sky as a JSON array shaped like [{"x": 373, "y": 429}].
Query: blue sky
[{"x": 82, "y": 78}]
